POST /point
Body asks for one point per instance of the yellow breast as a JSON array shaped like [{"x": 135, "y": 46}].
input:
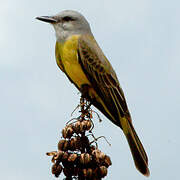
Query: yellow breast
[
  {"x": 67, "y": 60},
  {"x": 67, "y": 53}
]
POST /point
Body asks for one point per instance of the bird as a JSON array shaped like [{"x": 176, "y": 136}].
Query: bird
[{"x": 80, "y": 57}]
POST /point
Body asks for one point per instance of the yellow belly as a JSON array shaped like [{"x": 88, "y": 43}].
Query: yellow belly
[
  {"x": 69, "y": 60},
  {"x": 75, "y": 73}
]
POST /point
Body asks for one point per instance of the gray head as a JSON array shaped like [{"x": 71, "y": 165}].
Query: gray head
[{"x": 67, "y": 23}]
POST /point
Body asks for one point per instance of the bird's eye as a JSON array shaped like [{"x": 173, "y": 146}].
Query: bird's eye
[{"x": 67, "y": 18}]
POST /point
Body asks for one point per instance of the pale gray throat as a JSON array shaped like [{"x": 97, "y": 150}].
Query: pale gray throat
[{"x": 62, "y": 35}]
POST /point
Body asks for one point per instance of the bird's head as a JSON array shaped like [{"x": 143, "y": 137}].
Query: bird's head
[{"x": 67, "y": 23}]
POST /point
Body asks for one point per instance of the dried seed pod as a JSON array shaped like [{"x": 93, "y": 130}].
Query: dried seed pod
[
  {"x": 65, "y": 161},
  {"x": 84, "y": 173},
  {"x": 93, "y": 147},
  {"x": 65, "y": 156},
  {"x": 89, "y": 173},
  {"x": 66, "y": 146},
  {"x": 69, "y": 132},
  {"x": 107, "y": 161},
  {"x": 72, "y": 144},
  {"x": 53, "y": 160},
  {"x": 85, "y": 141},
  {"x": 89, "y": 124},
  {"x": 81, "y": 173},
  {"x": 75, "y": 143},
  {"x": 61, "y": 144},
  {"x": 76, "y": 127},
  {"x": 82, "y": 159},
  {"x": 78, "y": 143},
  {"x": 102, "y": 156},
  {"x": 53, "y": 153},
  {"x": 96, "y": 172},
  {"x": 76, "y": 170},
  {"x": 67, "y": 172},
  {"x": 64, "y": 134},
  {"x": 56, "y": 169},
  {"x": 59, "y": 155},
  {"x": 72, "y": 157},
  {"x": 83, "y": 126},
  {"x": 85, "y": 158},
  {"x": 102, "y": 171},
  {"x": 96, "y": 154}
]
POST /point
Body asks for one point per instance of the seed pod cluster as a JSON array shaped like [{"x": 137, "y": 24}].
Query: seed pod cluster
[
  {"x": 76, "y": 157},
  {"x": 78, "y": 127}
]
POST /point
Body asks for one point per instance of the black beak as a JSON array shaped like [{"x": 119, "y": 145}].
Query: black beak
[{"x": 48, "y": 19}]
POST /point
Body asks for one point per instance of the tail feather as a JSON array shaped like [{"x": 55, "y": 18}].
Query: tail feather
[{"x": 136, "y": 147}]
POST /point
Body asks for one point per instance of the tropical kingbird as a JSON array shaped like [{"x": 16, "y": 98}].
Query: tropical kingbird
[{"x": 79, "y": 56}]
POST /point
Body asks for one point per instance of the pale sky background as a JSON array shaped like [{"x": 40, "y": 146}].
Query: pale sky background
[{"x": 142, "y": 41}]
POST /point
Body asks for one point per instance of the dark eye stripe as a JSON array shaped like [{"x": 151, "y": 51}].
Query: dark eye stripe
[{"x": 68, "y": 18}]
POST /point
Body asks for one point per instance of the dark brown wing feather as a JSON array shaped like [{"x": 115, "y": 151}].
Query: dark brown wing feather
[{"x": 103, "y": 79}]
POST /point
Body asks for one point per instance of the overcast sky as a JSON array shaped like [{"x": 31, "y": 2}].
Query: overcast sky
[{"x": 142, "y": 41}]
